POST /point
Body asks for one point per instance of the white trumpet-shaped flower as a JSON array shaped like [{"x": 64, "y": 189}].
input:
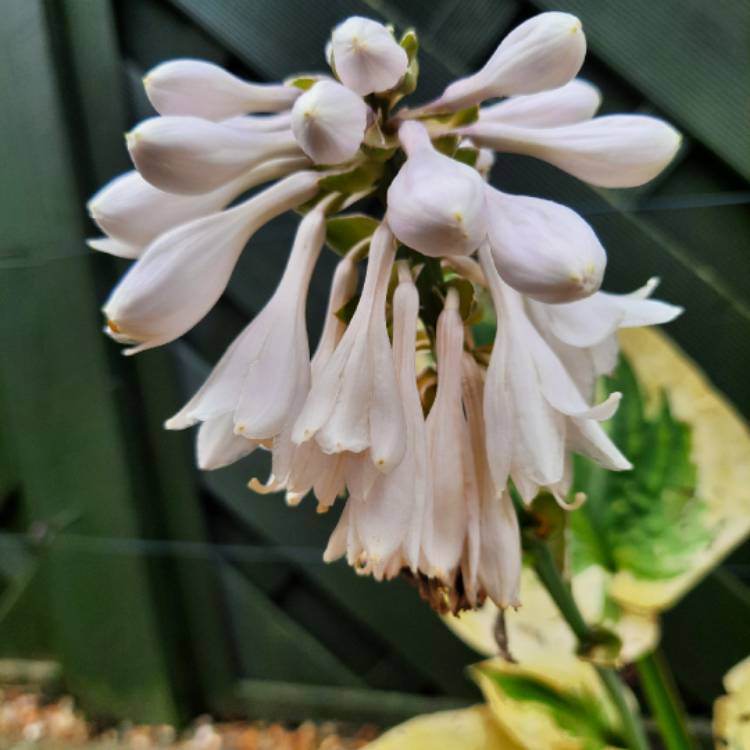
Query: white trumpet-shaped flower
[
  {"x": 366, "y": 57},
  {"x": 491, "y": 564},
  {"x": 381, "y": 531},
  {"x": 301, "y": 468},
  {"x": 533, "y": 410},
  {"x": 582, "y": 333},
  {"x": 265, "y": 373},
  {"x": 436, "y": 205},
  {"x": 133, "y": 212},
  {"x": 191, "y": 155},
  {"x": 354, "y": 406},
  {"x": 542, "y": 53},
  {"x": 202, "y": 89},
  {"x": 179, "y": 277},
  {"x": 329, "y": 122},
  {"x": 447, "y": 441},
  {"x": 612, "y": 151},
  {"x": 542, "y": 249},
  {"x": 574, "y": 102}
]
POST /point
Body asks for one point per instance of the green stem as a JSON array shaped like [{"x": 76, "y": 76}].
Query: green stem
[
  {"x": 561, "y": 594},
  {"x": 664, "y": 701}
]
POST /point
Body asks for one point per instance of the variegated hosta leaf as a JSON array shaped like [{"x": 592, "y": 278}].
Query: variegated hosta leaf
[
  {"x": 536, "y": 629},
  {"x": 554, "y": 702},
  {"x": 731, "y": 724},
  {"x": 720, "y": 451},
  {"x": 468, "y": 729}
]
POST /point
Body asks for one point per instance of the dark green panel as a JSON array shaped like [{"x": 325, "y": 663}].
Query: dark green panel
[
  {"x": 707, "y": 633},
  {"x": 284, "y": 701},
  {"x": 280, "y": 39},
  {"x": 690, "y": 57},
  {"x": 59, "y": 393},
  {"x": 272, "y": 646}
]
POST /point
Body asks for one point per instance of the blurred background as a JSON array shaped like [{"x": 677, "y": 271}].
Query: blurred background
[{"x": 157, "y": 592}]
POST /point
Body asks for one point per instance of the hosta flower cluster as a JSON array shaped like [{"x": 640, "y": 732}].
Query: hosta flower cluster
[{"x": 397, "y": 411}]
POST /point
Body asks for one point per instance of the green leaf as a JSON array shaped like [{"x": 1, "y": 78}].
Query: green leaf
[
  {"x": 467, "y": 155},
  {"x": 410, "y": 43},
  {"x": 345, "y": 231},
  {"x": 579, "y": 714},
  {"x": 465, "y": 291},
  {"x": 346, "y": 312},
  {"x": 458, "y": 119},
  {"x": 303, "y": 82},
  {"x": 355, "y": 180},
  {"x": 446, "y": 144},
  {"x": 648, "y": 521}
]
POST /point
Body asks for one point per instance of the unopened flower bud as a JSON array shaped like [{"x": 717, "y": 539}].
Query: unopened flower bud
[
  {"x": 542, "y": 249},
  {"x": 436, "y": 205},
  {"x": 329, "y": 122},
  {"x": 543, "y": 53},
  {"x": 366, "y": 56},
  {"x": 202, "y": 89}
]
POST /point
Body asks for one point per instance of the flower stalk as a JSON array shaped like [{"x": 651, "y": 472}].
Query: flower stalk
[
  {"x": 552, "y": 580},
  {"x": 664, "y": 701}
]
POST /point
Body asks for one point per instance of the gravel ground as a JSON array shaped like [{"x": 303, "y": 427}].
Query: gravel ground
[{"x": 27, "y": 722}]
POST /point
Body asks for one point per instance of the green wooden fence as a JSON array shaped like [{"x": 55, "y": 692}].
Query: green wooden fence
[{"x": 163, "y": 591}]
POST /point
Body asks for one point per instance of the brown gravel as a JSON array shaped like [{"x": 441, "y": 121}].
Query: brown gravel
[{"x": 28, "y": 722}]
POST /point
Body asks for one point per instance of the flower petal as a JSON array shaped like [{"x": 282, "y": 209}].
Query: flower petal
[
  {"x": 114, "y": 247},
  {"x": 218, "y": 446}
]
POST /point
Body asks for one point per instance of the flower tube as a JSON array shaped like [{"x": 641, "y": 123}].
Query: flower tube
[{"x": 355, "y": 404}]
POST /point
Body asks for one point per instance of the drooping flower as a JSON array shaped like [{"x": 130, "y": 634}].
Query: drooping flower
[
  {"x": 266, "y": 371},
  {"x": 534, "y": 412},
  {"x": 491, "y": 564},
  {"x": 298, "y": 469},
  {"x": 329, "y": 122},
  {"x": 180, "y": 275},
  {"x": 381, "y": 530},
  {"x": 366, "y": 57},
  {"x": 355, "y": 406}
]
